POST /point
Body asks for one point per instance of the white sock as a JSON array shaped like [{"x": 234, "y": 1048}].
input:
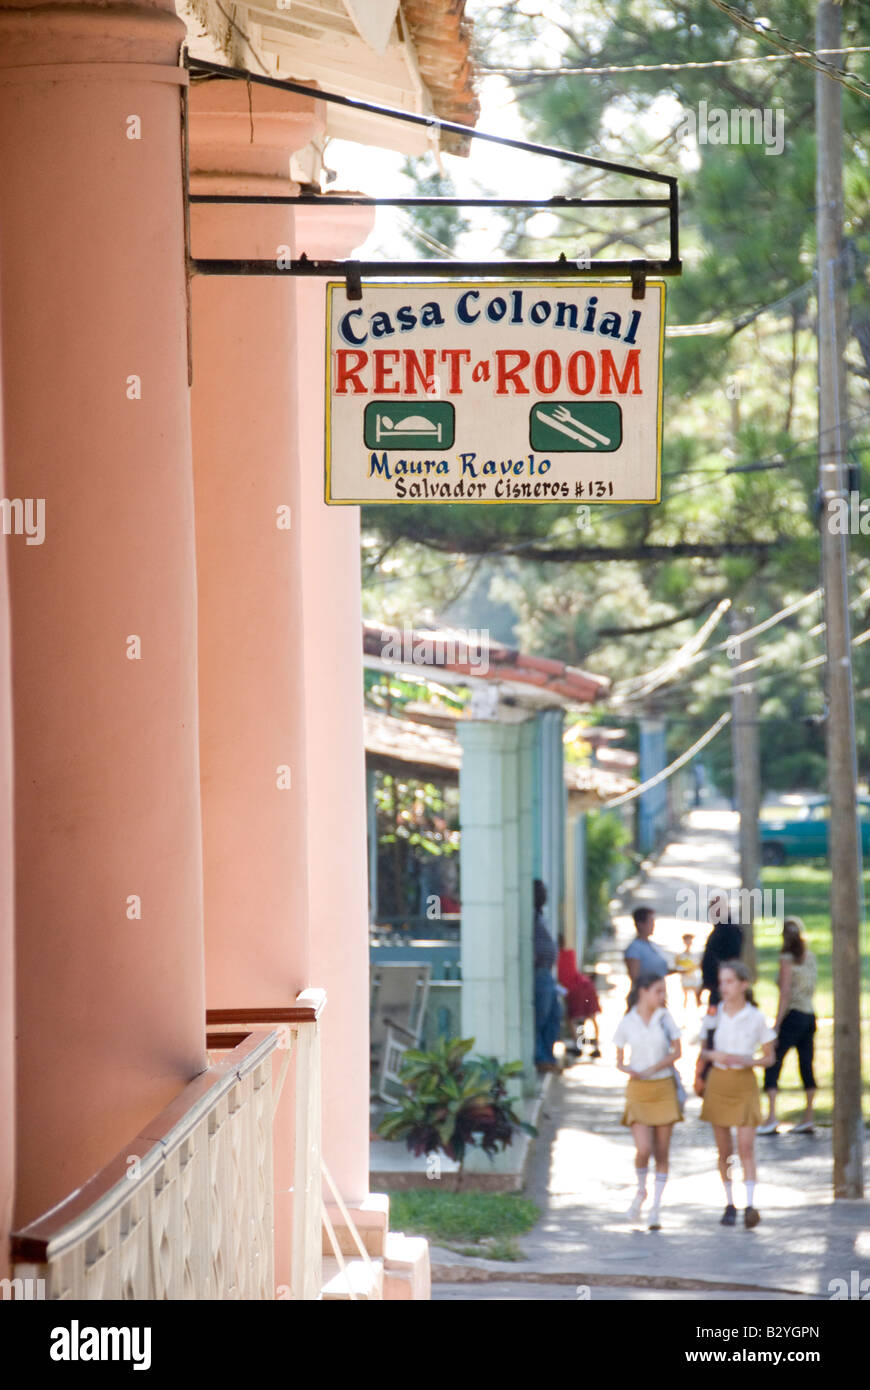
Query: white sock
[
  {"x": 661, "y": 1179},
  {"x": 729, "y": 1192},
  {"x": 750, "y": 1192},
  {"x": 641, "y": 1181}
]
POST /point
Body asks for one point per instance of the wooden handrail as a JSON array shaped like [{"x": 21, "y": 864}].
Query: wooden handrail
[
  {"x": 307, "y": 1009},
  {"x": 225, "y": 1042}
]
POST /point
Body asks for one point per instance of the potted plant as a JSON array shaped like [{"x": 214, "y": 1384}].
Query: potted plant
[{"x": 453, "y": 1102}]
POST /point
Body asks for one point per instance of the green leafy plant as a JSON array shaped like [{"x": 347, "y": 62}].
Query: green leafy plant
[
  {"x": 454, "y": 1102},
  {"x": 606, "y": 838}
]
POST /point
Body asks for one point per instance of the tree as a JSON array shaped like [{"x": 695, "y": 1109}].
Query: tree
[{"x": 739, "y": 456}]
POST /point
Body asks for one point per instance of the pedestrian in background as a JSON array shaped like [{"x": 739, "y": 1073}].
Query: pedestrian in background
[
  {"x": 652, "y": 1105},
  {"x": 548, "y": 1006},
  {"x": 725, "y": 942},
  {"x": 582, "y": 1004},
  {"x": 690, "y": 974},
  {"x": 795, "y": 1023},
  {"x": 641, "y": 956},
  {"x": 731, "y": 1100}
]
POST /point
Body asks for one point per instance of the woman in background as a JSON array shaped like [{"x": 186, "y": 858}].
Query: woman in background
[{"x": 795, "y": 1023}]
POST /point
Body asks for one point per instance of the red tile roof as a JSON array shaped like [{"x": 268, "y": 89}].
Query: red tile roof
[{"x": 567, "y": 684}]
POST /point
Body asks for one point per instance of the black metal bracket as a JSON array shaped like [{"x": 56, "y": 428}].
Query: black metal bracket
[
  {"x": 352, "y": 283},
  {"x": 354, "y": 271}
]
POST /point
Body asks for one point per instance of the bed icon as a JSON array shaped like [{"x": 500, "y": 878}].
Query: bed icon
[
  {"x": 385, "y": 427},
  {"x": 402, "y": 425}
]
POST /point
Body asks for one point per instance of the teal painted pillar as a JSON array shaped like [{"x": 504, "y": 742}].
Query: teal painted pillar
[
  {"x": 552, "y": 813},
  {"x": 489, "y": 785},
  {"x": 537, "y": 864},
  {"x": 372, "y": 822},
  {"x": 526, "y": 874},
  {"x": 512, "y": 914},
  {"x": 652, "y": 815}
]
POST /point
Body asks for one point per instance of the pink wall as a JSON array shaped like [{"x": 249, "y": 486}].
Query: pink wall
[
  {"x": 333, "y": 676},
  {"x": 110, "y": 1006},
  {"x": 7, "y": 920},
  {"x": 280, "y": 627},
  {"x": 251, "y": 640}
]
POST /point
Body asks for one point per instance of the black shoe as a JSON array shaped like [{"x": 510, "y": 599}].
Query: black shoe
[
  {"x": 595, "y": 1052},
  {"x": 730, "y": 1216},
  {"x": 751, "y": 1218}
]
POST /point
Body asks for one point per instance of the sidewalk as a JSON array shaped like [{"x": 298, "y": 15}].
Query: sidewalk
[{"x": 581, "y": 1170}]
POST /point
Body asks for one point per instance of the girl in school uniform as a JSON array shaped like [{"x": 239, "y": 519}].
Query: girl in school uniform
[
  {"x": 731, "y": 1100},
  {"x": 652, "y": 1106}
]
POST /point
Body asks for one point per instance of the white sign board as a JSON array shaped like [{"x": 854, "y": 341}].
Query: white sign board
[{"x": 494, "y": 391}]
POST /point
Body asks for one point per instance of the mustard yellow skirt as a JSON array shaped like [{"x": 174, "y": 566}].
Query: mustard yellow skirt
[
  {"x": 731, "y": 1097},
  {"x": 651, "y": 1102}
]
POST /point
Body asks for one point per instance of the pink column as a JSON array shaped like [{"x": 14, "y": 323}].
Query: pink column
[
  {"x": 110, "y": 993},
  {"x": 249, "y": 563},
  {"x": 7, "y": 920},
  {"x": 333, "y": 679}
]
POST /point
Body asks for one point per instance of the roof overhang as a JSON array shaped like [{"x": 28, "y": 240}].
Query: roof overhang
[
  {"x": 524, "y": 683},
  {"x": 414, "y": 57}
]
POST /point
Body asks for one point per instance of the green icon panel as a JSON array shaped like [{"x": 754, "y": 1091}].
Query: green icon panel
[
  {"x": 409, "y": 425},
  {"x": 576, "y": 427}
]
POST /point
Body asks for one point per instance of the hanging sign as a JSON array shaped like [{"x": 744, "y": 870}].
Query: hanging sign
[{"x": 494, "y": 391}]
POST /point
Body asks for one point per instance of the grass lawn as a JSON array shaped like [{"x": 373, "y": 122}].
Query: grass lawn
[
  {"x": 487, "y": 1223},
  {"x": 806, "y": 888}
]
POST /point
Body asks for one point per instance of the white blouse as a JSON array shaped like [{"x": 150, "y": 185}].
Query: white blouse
[
  {"x": 648, "y": 1043},
  {"x": 742, "y": 1033}
]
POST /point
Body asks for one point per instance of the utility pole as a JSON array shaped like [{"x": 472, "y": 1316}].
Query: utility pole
[
  {"x": 845, "y": 852},
  {"x": 745, "y": 755}
]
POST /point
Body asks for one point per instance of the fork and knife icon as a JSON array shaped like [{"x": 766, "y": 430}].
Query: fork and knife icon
[{"x": 562, "y": 419}]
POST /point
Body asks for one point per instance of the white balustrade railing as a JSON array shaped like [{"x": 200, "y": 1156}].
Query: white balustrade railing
[
  {"x": 299, "y": 1039},
  {"x": 186, "y": 1211}
]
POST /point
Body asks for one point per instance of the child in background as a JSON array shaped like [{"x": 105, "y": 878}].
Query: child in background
[
  {"x": 581, "y": 1003},
  {"x": 652, "y": 1104},
  {"x": 690, "y": 974}
]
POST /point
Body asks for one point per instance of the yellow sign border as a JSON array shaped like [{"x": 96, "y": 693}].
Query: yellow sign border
[{"x": 331, "y": 501}]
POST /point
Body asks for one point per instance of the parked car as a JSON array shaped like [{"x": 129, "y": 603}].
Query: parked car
[{"x": 805, "y": 836}]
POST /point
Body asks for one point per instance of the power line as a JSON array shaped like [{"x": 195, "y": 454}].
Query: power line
[
  {"x": 765, "y": 30},
  {"x": 672, "y": 767},
  {"x": 639, "y": 686},
  {"x": 663, "y": 67}
]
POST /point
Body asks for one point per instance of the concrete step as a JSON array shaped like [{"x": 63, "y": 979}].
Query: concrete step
[
  {"x": 406, "y": 1268},
  {"x": 365, "y": 1280},
  {"x": 371, "y": 1218}
]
